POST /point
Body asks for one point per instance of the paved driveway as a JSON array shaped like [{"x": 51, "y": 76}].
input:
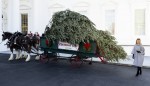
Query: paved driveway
[{"x": 34, "y": 73}]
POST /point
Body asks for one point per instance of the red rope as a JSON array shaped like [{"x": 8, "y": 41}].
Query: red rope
[{"x": 101, "y": 58}]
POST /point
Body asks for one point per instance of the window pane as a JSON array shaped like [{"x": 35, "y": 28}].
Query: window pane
[
  {"x": 24, "y": 23},
  {"x": 110, "y": 21},
  {"x": 140, "y": 21}
]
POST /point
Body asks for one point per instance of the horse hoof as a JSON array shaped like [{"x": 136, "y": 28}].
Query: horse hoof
[
  {"x": 24, "y": 56},
  {"x": 37, "y": 58},
  {"x": 17, "y": 58},
  {"x": 10, "y": 59},
  {"x": 28, "y": 59},
  {"x": 20, "y": 57}
]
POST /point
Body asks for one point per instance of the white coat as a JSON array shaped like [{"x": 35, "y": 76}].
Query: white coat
[{"x": 138, "y": 57}]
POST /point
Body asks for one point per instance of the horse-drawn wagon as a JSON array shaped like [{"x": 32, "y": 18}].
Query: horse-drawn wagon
[
  {"x": 76, "y": 29},
  {"x": 85, "y": 51},
  {"x": 73, "y": 28}
]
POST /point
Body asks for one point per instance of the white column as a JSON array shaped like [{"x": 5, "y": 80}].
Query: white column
[
  {"x": 13, "y": 16},
  {"x": 123, "y": 24},
  {"x": 147, "y": 23},
  {"x": 0, "y": 23},
  {"x": 0, "y": 17},
  {"x": 35, "y": 16},
  {"x": 40, "y": 20},
  {"x": 3, "y": 48}
]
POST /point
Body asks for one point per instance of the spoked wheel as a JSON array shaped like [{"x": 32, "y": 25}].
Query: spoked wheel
[
  {"x": 90, "y": 63},
  {"x": 44, "y": 58},
  {"x": 53, "y": 57},
  {"x": 76, "y": 61}
]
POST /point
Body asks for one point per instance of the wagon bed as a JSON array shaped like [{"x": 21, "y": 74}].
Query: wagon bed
[{"x": 51, "y": 49}]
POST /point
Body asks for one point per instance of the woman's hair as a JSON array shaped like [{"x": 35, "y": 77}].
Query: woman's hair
[{"x": 138, "y": 39}]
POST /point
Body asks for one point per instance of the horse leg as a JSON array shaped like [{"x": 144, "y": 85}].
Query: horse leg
[
  {"x": 25, "y": 54},
  {"x": 20, "y": 55},
  {"x": 37, "y": 56},
  {"x": 12, "y": 55},
  {"x": 17, "y": 54},
  {"x": 28, "y": 56}
]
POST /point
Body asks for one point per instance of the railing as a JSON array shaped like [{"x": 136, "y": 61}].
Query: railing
[{"x": 133, "y": 45}]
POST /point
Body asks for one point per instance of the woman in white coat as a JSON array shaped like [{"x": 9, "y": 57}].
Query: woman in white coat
[{"x": 138, "y": 56}]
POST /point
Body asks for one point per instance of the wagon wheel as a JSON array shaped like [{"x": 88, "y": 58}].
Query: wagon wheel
[
  {"x": 53, "y": 57},
  {"x": 76, "y": 61},
  {"x": 44, "y": 58},
  {"x": 90, "y": 63}
]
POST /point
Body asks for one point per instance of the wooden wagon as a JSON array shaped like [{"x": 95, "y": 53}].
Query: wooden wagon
[{"x": 85, "y": 51}]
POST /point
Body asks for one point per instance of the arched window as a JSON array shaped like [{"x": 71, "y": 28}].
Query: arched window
[
  {"x": 55, "y": 8},
  {"x": 109, "y": 10},
  {"x": 139, "y": 21},
  {"x": 24, "y": 11},
  {"x": 82, "y": 8},
  {"x": 139, "y": 14}
]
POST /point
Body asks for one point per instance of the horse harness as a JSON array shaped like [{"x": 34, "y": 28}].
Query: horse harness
[{"x": 13, "y": 39}]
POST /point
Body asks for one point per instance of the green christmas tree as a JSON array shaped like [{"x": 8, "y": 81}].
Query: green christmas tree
[
  {"x": 72, "y": 27},
  {"x": 108, "y": 47}
]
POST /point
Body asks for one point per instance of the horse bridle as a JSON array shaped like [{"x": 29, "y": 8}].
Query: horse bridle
[
  {"x": 9, "y": 38},
  {"x": 2, "y": 40}
]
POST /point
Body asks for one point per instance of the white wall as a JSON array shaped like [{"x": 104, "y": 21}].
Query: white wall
[
  {"x": 0, "y": 17},
  {"x": 40, "y": 12},
  {"x": 13, "y": 16},
  {"x": 124, "y": 31},
  {"x": 41, "y": 15},
  {"x": 2, "y": 47},
  {"x": 26, "y": 8},
  {"x": 128, "y": 50}
]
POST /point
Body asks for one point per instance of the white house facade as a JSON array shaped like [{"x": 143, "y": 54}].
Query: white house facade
[{"x": 125, "y": 19}]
